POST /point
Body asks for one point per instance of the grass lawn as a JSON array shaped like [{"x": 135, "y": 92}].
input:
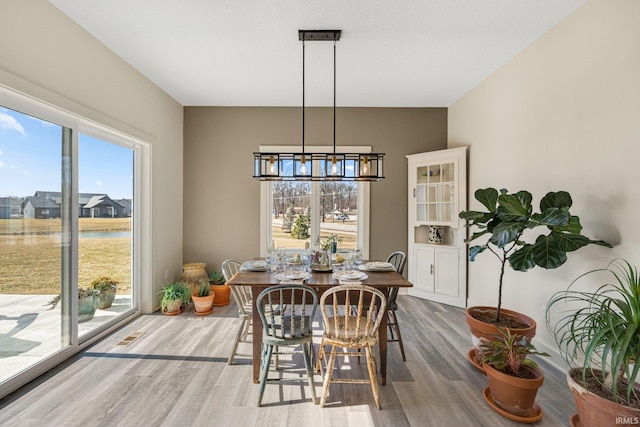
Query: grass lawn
[{"x": 30, "y": 254}]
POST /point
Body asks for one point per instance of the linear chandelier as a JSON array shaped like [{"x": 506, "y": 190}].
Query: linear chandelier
[{"x": 305, "y": 166}]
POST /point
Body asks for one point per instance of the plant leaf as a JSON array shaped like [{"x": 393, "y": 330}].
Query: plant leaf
[
  {"x": 506, "y": 232},
  {"x": 573, "y": 227},
  {"x": 567, "y": 242},
  {"x": 560, "y": 199},
  {"x": 488, "y": 197},
  {"x": 522, "y": 259},
  {"x": 547, "y": 254},
  {"x": 517, "y": 205},
  {"x": 475, "y": 250},
  {"x": 550, "y": 217}
]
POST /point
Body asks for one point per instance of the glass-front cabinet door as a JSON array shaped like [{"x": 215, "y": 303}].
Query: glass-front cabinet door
[{"x": 435, "y": 193}]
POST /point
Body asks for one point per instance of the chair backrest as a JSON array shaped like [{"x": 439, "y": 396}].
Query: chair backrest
[
  {"x": 344, "y": 317},
  {"x": 241, "y": 294},
  {"x": 398, "y": 259},
  {"x": 287, "y": 311}
]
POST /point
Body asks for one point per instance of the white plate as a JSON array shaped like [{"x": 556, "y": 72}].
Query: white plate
[
  {"x": 293, "y": 275},
  {"x": 255, "y": 264},
  {"x": 352, "y": 275}
]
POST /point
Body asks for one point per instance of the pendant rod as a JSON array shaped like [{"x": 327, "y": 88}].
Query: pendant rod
[
  {"x": 303, "y": 97},
  {"x": 334, "y": 97}
]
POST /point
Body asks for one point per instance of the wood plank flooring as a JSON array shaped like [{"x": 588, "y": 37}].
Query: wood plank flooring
[{"x": 176, "y": 374}]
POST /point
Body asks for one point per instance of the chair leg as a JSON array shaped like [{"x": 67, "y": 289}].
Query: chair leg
[
  {"x": 266, "y": 361},
  {"x": 372, "y": 375},
  {"x": 397, "y": 328},
  {"x": 327, "y": 376},
  {"x": 308, "y": 350},
  {"x": 234, "y": 348},
  {"x": 321, "y": 355}
]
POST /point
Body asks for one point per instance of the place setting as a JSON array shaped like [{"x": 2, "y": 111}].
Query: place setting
[
  {"x": 377, "y": 266},
  {"x": 292, "y": 276},
  {"x": 349, "y": 276},
  {"x": 255, "y": 265}
]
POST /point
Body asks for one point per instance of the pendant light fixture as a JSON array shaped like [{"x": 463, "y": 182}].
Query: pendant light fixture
[{"x": 305, "y": 166}]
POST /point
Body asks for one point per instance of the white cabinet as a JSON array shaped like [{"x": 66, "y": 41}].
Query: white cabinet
[{"x": 437, "y": 193}]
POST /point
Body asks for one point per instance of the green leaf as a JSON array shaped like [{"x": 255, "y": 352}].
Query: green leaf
[
  {"x": 573, "y": 227},
  {"x": 550, "y": 217},
  {"x": 474, "y": 236},
  {"x": 547, "y": 254},
  {"x": 471, "y": 215},
  {"x": 488, "y": 197},
  {"x": 522, "y": 259},
  {"x": 560, "y": 199},
  {"x": 475, "y": 250},
  {"x": 506, "y": 232},
  {"x": 515, "y": 207},
  {"x": 570, "y": 242}
]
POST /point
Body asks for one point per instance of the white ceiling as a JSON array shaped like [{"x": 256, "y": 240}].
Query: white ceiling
[{"x": 393, "y": 53}]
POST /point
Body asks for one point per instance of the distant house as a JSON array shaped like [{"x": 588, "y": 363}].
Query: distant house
[
  {"x": 10, "y": 207},
  {"x": 40, "y": 207},
  {"x": 46, "y": 204}
]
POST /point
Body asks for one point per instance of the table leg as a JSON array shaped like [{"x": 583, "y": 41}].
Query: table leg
[{"x": 257, "y": 337}]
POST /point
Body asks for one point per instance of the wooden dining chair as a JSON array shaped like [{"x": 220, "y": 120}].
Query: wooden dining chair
[
  {"x": 351, "y": 330},
  {"x": 244, "y": 302},
  {"x": 287, "y": 312},
  {"x": 398, "y": 259}
]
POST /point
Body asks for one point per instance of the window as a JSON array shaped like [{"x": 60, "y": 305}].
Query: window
[
  {"x": 295, "y": 214},
  {"x": 69, "y": 216}
]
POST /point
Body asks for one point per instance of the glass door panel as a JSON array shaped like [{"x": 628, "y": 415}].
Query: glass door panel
[
  {"x": 34, "y": 240},
  {"x": 105, "y": 242}
]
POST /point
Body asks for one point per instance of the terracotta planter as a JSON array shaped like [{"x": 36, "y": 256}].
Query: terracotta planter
[
  {"x": 173, "y": 307},
  {"x": 515, "y": 395},
  {"x": 594, "y": 411},
  {"x": 193, "y": 274},
  {"x": 485, "y": 331},
  {"x": 223, "y": 293},
  {"x": 202, "y": 305}
]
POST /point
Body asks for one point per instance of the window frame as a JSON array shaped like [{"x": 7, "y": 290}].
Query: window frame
[{"x": 266, "y": 197}]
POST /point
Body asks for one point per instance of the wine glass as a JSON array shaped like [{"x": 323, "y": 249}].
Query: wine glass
[
  {"x": 356, "y": 257},
  {"x": 270, "y": 258}
]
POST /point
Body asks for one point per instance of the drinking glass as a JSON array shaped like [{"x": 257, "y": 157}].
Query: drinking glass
[
  {"x": 356, "y": 257},
  {"x": 270, "y": 258}
]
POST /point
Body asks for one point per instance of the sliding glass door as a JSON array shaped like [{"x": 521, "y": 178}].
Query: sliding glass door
[{"x": 67, "y": 246}]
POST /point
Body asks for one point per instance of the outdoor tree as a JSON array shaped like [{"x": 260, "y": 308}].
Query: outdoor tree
[
  {"x": 288, "y": 219},
  {"x": 302, "y": 224}
]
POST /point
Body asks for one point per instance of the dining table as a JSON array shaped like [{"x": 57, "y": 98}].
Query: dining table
[{"x": 320, "y": 281}]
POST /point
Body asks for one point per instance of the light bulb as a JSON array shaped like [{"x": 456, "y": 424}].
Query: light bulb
[
  {"x": 272, "y": 166},
  {"x": 303, "y": 166},
  {"x": 365, "y": 166},
  {"x": 334, "y": 166}
]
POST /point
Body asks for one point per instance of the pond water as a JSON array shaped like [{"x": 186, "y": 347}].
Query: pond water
[{"x": 104, "y": 234}]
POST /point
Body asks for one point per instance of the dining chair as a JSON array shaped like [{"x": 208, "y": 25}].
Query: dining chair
[
  {"x": 287, "y": 312},
  {"x": 398, "y": 259},
  {"x": 350, "y": 330},
  {"x": 244, "y": 302}
]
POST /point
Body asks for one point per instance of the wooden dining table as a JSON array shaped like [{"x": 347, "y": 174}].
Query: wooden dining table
[{"x": 320, "y": 281}]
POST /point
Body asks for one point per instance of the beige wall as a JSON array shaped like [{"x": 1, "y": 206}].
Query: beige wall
[
  {"x": 46, "y": 55},
  {"x": 562, "y": 115},
  {"x": 221, "y": 199}
]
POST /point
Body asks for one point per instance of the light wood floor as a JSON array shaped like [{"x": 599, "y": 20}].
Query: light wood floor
[{"x": 176, "y": 374}]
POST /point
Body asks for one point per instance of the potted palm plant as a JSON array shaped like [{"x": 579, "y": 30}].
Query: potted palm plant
[
  {"x": 108, "y": 288},
  {"x": 175, "y": 296},
  {"x": 504, "y": 223},
  {"x": 203, "y": 299},
  {"x": 513, "y": 378},
  {"x": 598, "y": 334}
]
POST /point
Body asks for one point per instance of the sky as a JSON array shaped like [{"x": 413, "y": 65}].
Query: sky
[{"x": 30, "y": 160}]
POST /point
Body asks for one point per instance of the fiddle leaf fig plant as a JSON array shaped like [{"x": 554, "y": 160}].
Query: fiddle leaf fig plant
[{"x": 507, "y": 218}]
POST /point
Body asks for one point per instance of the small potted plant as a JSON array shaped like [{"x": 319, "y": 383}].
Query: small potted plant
[
  {"x": 88, "y": 300},
  {"x": 514, "y": 379},
  {"x": 220, "y": 288},
  {"x": 108, "y": 288},
  {"x": 175, "y": 296},
  {"x": 504, "y": 223},
  {"x": 203, "y": 299},
  {"x": 598, "y": 334}
]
